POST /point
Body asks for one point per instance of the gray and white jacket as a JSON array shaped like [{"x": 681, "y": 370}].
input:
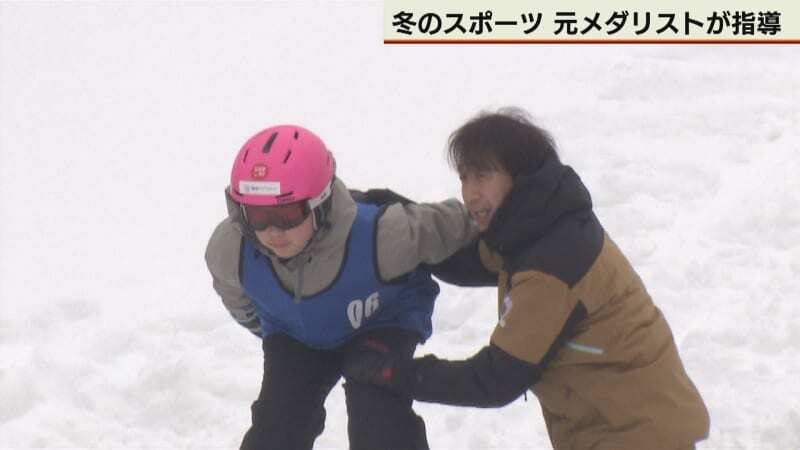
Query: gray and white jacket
[{"x": 407, "y": 235}]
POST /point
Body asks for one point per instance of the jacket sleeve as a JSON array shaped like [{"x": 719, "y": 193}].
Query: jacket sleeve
[
  {"x": 536, "y": 319},
  {"x": 537, "y": 315},
  {"x": 491, "y": 378},
  {"x": 465, "y": 268},
  {"x": 222, "y": 259},
  {"x": 420, "y": 233}
]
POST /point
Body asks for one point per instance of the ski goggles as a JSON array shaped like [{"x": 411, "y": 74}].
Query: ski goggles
[{"x": 283, "y": 217}]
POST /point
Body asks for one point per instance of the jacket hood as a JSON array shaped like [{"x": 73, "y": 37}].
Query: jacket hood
[{"x": 536, "y": 201}]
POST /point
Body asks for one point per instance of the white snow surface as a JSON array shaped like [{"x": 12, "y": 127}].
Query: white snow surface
[{"x": 119, "y": 122}]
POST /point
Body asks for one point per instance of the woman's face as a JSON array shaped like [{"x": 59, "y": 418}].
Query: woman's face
[{"x": 483, "y": 191}]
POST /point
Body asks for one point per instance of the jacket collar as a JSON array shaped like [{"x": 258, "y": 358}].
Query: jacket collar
[{"x": 536, "y": 201}]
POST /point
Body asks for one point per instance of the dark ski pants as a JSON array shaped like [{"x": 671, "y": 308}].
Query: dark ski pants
[{"x": 289, "y": 412}]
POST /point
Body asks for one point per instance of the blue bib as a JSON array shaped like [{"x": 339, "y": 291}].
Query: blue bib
[{"x": 356, "y": 301}]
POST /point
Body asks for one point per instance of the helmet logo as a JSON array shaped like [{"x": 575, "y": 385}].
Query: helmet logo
[{"x": 259, "y": 171}]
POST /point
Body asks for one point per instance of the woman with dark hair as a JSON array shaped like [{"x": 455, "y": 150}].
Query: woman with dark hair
[{"x": 576, "y": 325}]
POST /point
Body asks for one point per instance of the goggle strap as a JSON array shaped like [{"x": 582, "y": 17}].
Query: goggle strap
[{"x": 320, "y": 199}]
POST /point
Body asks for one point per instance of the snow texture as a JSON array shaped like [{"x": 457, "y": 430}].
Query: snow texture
[{"x": 118, "y": 125}]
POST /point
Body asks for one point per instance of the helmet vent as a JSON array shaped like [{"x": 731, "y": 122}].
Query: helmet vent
[
  {"x": 244, "y": 158},
  {"x": 296, "y": 135},
  {"x": 270, "y": 141},
  {"x": 288, "y": 154}
]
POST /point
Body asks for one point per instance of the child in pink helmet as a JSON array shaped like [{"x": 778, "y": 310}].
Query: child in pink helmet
[{"x": 318, "y": 271}]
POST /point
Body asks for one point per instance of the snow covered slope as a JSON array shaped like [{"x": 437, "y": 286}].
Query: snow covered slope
[{"x": 118, "y": 123}]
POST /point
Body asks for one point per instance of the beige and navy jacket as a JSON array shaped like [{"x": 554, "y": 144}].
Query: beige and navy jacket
[{"x": 575, "y": 325}]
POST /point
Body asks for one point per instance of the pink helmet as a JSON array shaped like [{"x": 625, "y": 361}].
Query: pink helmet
[{"x": 282, "y": 164}]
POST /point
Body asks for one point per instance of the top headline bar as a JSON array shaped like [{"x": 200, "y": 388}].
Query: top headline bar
[{"x": 609, "y": 21}]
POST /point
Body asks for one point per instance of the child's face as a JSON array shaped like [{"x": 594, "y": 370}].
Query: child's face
[
  {"x": 483, "y": 191},
  {"x": 287, "y": 243}
]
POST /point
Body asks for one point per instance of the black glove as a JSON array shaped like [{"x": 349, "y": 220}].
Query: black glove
[
  {"x": 371, "y": 362},
  {"x": 379, "y": 197}
]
